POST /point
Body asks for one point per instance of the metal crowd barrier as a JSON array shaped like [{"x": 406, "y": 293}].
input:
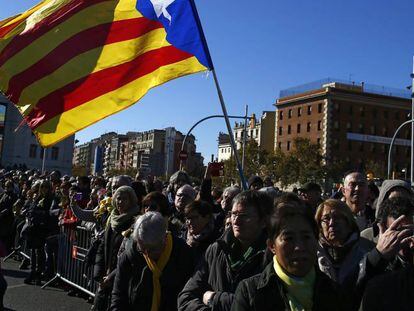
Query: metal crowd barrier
[{"x": 71, "y": 266}]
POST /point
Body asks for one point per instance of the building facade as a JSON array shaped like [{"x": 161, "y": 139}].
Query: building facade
[
  {"x": 351, "y": 123},
  {"x": 260, "y": 130},
  {"x": 20, "y": 146}
]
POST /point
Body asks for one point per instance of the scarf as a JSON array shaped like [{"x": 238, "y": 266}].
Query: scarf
[
  {"x": 195, "y": 240},
  {"x": 299, "y": 290},
  {"x": 338, "y": 253},
  {"x": 156, "y": 269},
  {"x": 119, "y": 221}
]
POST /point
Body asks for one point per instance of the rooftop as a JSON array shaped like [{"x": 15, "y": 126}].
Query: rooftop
[{"x": 364, "y": 87}]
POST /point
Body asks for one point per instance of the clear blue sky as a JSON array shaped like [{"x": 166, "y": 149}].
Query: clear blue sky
[{"x": 260, "y": 47}]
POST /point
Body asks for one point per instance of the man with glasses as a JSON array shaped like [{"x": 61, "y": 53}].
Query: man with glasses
[
  {"x": 239, "y": 254},
  {"x": 355, "y": 192}
]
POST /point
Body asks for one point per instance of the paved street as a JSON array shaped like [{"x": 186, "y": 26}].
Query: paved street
[{"x": 21, "y": 297}]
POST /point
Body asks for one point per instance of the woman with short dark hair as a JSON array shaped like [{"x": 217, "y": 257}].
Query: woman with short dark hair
[{"x": 292, "y": 280}]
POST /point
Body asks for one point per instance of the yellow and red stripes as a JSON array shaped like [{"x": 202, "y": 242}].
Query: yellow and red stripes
[{"x": 84, "y": 62}]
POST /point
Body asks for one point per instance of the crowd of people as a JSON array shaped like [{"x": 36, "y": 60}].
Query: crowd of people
[{"x": 179, "y": 246}]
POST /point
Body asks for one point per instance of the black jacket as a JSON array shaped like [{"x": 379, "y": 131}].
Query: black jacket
[
  {"x": 215, "y": 274},
  {"x": 7, "y": 199},
  {"x": 107, "y": 253},
  {"x": 133, "y": 282},
  {"x": 265, "y": 291},
  {"x": 391, "y": 291}
]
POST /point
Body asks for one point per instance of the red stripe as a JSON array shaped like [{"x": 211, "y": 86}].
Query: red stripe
[
  {"x": 102, "y": 82},
  {"x": 6, "y": 29},
  {"x": 80, "y": 43},
  {"x": 64, "y": 13}
]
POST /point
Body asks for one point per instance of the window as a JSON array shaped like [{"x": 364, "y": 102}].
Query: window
[
  {"x": 288, "y": 146},
  {"x": 336, "y": 106},
  {"x": 289, "y": 129},
  {"x": 362, "y": 111},
  {"x": 280, "y": 130},
  {"x": 299, "y": 111},
  {"x": 361, "y": 147},
  {"x": 374, "y": 113},
  {"x": 385, "y": 114},
  {"x": 308, "y": 127},
  {"x": 350, "y": 110},
  {"x": 32, "y": 151},
  {"x": 361, "y": 128},
  {"x": 281, "y": 115},
  {"x": 348, "y": 125},
  {"x": 349, "y": 145},
  {"x": 336, "y": 125},
  {"x": 309, "y": 110},
  {"x": 298, "y": 128},
  {"x": 55, "y": 153},
  {"x": 397, "y": 115},
  {"x": 318, "y": 141},
  {"x": 319, "y": 108},
  {"x": 290, "y": 113},
  {"x": 279, "y": 145},
  {"x": 319, "y": 125},
  {"x": 384, "y": 131}
]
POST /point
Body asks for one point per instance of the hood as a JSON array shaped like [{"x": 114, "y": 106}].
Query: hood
[{"x": 386, "y": 188}]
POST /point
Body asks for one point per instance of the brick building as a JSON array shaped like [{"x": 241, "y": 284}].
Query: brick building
[{"x": 352, "y": 123}]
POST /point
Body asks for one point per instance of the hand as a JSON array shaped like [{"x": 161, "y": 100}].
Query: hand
[
  {"x": 105, "y": 282},
  {"x": 207, "y": 296},
  {"x": 392, "y": 239}
]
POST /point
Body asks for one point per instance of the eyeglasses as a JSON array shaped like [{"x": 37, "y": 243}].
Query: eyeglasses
[
  {"x": 353, "y": 185},
  {"x": 241, "y": 216},
  {"x": 326, "y": 220}
]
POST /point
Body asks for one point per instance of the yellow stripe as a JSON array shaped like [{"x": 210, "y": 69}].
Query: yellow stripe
[
  {"x": 77, "y": 68},
  {"x": 19, "y": 28},
  {"x": 99, "y": 108},
  {"x": 104, "y": 12}
]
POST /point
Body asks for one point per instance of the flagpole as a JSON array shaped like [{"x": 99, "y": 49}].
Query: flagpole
[
  {"x": 232, "y": 142},
  {"x": 412, "y": 127},
  {"x": 223, "y": 105}
]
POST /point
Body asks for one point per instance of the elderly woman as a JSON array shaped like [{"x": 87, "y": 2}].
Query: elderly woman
[
  {"x": 292, "y": 280},
  {"x": 121, "y": 219},
  {"x": 340, "y": 246},
  {"x": 239, "y": 254},
  {"x": 153, "y": 270}
]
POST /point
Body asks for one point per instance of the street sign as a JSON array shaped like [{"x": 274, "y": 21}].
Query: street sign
[{"x": 183, "y": 155}]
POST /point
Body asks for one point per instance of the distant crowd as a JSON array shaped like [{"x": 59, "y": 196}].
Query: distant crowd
[{"x": 179, "y": 246}]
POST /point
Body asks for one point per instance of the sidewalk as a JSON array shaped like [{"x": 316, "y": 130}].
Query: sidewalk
[{"x": 22, "y": 297}]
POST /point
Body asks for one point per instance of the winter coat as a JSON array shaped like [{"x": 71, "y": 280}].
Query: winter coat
[
  {"x": 7, "y": 199},
  {"x": 348, "y": 268},
  {"x": 133, "y": 287},
  {"x": 391, "y": 291},
  {"x": 214, "y": 274},
  {"x": 107, "y": 253},
  {"x": 266, "y": 291}
]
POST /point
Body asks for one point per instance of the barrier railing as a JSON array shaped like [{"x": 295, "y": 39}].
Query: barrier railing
[{"x": 72, "y": 267}]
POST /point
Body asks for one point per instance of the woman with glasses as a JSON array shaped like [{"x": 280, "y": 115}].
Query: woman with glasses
[
  {"x": 340, "y": 246},
  {"x": 239, "y": 254},
  {"x": 153, "y": 269},
  {"x": 292, "y": 280}
]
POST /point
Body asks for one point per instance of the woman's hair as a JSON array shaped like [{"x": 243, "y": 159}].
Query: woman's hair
[
  {"x": 285, "y": 211},
  {"x": 341, "y": 208},
  {"x": 128, "y": 190},
  {"x": 201, "y": 207},
  {"x": 158, "y": 199},
  {"x": 259, "y": 200},
  {"x": 150, "y": 229}
]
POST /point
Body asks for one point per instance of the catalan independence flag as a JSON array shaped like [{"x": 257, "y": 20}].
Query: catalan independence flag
[{"x": 67, "y": 64}]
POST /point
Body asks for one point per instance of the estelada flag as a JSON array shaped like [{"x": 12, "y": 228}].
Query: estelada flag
[{"x": 67, "y": 64}]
